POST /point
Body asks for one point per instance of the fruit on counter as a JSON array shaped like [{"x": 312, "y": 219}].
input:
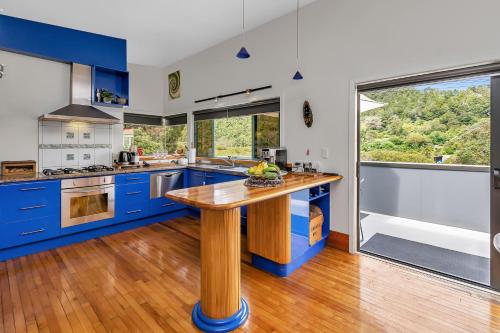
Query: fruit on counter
[{"x": 267, "y": 170}]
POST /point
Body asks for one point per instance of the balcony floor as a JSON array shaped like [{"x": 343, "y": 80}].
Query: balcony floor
[{"x": 457, "y": 252}]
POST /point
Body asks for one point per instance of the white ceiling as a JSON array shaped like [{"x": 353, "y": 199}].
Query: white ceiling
[{"x": 158, "y": 32}]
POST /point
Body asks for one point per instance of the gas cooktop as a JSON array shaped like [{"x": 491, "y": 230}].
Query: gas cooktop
[{"x": 84, "y": 170}]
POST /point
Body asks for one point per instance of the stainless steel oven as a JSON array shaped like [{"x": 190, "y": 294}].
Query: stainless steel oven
[{"x": 85, "y": 200}]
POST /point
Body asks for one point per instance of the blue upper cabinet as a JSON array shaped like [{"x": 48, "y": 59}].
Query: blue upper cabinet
[
  {"x": 113, "y": 81},
  {"x": 63, "y": 44}
]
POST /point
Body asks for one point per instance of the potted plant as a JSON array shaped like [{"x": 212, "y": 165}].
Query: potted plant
[{"x": 107, "y": 96}]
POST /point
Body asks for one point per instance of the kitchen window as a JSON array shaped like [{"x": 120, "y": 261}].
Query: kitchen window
[
  {"x": 155, "y": 135},
  {"x": 241, "y": 130}
]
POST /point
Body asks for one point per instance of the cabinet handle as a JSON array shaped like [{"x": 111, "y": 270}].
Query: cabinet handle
[
  {"x": 168, "y": 204},
  {"x": 32, "y": 207},
  {"x": 133, "y": 193},
  {"x": 27, "y": 233},
  {"x": 210, "y": 176},
  {"x": 244, "y": 217},
  {"x": 137, "y": 178},
  {"x": 32, "y": 189},
  {"x": 135, "y": 211}
]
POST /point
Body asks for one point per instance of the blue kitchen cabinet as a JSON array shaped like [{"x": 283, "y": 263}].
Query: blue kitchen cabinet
[
  {"x": 132, "y": 178},
  {"x": 29, "y": 212},
  {"x": 24, "y": 201},
  {"x": 131, "y": 197},
  {"x": 215, "y": 178},
  {"x": 200, "y": 178},
  {"x": 62, "y": 44},
  {"x": 114, "y": 81},
  {"x": 196, "y": 178},
  {"x": 29, "y": 231},
  {"x": 163, "y": 205}
]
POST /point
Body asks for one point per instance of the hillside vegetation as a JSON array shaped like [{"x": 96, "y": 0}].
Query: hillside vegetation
[{"x": 418, "y": 125}]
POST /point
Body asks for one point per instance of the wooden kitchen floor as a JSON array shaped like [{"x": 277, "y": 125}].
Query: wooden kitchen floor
[{"x": 147, "y": 280}]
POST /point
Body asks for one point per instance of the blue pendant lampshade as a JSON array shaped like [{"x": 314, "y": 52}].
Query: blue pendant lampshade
[
  {"x": 298, "y": 76},
  {"x": 243, "y": 54}
]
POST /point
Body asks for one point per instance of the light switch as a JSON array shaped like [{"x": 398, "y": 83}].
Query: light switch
[{"x": 324, "y": 152}]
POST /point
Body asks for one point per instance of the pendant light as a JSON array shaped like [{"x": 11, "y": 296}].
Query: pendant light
[
  {"x": 243, "y": 53},
  {"x": 297, "y": 75}
]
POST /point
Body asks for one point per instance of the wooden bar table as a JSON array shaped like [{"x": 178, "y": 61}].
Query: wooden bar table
[{"x": 221, "y": 307}]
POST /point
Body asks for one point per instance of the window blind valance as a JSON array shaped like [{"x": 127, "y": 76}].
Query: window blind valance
[{"x": 249, "y": 109}]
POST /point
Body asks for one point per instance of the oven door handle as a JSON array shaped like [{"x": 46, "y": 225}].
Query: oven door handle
[{"x": 96, "y": 189}]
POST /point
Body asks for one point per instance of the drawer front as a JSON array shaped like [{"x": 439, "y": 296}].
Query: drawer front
[
  {"x": 132, "y": 202},
  {"x": 131, "y": 178},
  {"x": 164, "y": 205},
  {"x": 25, "y": 201},
  {"x": 29, "y": 231}
]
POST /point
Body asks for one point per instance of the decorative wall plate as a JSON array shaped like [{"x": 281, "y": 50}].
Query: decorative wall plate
[
  {"x": 308, "y": 114},
  {"x": 174, "y": 85}
]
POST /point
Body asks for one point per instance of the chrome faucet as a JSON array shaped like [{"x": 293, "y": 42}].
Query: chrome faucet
[{"x": 231, "y": 161}]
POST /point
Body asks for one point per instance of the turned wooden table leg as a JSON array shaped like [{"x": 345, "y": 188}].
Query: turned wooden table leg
[{"x": 221, "y": 308}]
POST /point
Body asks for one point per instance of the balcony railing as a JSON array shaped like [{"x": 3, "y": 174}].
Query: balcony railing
[{"x": 450, "y": 195}]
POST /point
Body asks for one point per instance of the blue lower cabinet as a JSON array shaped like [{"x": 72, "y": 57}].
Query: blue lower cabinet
[
  {"x": 196, "y": 178},
  {"x": 131, "y": 202},
  {"x": 222, "y": 177},
  {"x": 300, "y": 213},
  {"x": 132, "y": 178},
  {"x": 29, "y": 231},
  {"x": 163, "y": 205},
  {"x": 24, "y": 201}
]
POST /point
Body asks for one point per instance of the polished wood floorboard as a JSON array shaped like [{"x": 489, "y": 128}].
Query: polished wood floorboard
[{"x": 148, "y": 279}]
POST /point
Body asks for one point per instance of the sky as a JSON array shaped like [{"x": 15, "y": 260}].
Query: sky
[{"x": 460, "y": 84}]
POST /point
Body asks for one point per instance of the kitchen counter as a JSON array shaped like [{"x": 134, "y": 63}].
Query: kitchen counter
[
  {"x": 236, "y": 194},
  {"x": 152, "y": 168},
  {"x": 269, "y": 237}
]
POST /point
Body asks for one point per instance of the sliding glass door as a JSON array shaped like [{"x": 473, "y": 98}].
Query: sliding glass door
[{"x": 425, "y": 182}]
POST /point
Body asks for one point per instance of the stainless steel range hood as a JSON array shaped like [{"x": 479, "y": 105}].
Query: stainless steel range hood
[{"x": 80, "y": 108}]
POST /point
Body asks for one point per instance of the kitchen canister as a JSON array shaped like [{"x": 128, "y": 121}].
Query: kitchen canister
[{"x": 192, "y": 156}]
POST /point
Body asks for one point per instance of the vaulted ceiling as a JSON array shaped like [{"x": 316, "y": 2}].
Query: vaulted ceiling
[{"x": 159, "y": 32}]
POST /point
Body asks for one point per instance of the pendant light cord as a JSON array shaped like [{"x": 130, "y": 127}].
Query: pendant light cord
[
  {"x": 243, "y": 15},
  {"x": 297, "y": 33}
]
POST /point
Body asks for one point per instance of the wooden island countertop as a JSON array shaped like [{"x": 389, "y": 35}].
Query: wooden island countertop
[{"x": 235, "y": 194}]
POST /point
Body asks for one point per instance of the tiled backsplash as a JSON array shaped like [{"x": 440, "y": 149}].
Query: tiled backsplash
[{"x": 73, "y": 145}]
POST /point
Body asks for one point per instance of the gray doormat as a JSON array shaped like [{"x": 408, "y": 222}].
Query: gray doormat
[{"x": 458, "y": 264}]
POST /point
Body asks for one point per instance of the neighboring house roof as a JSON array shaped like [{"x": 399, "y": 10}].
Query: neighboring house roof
[{"x": 367, "y": 104}]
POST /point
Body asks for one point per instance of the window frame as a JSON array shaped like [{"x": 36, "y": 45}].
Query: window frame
[
  {"x": 157, "y": 121},
  {"x": 491, "y": 69},
  {"x": 227, "y": 109}
]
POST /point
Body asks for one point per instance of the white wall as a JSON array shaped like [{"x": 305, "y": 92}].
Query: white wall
[
  {"x": 146, "y": 89},
  {"x": 33, "y": 86},
  {"x": 29, "y": 88},
  {"x": 342, "y": 41}
]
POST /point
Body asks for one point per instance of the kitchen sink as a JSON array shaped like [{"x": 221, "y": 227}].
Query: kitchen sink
[
  {"x": 227, "y": 167},
  {"x": 224, "y": 167}
]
